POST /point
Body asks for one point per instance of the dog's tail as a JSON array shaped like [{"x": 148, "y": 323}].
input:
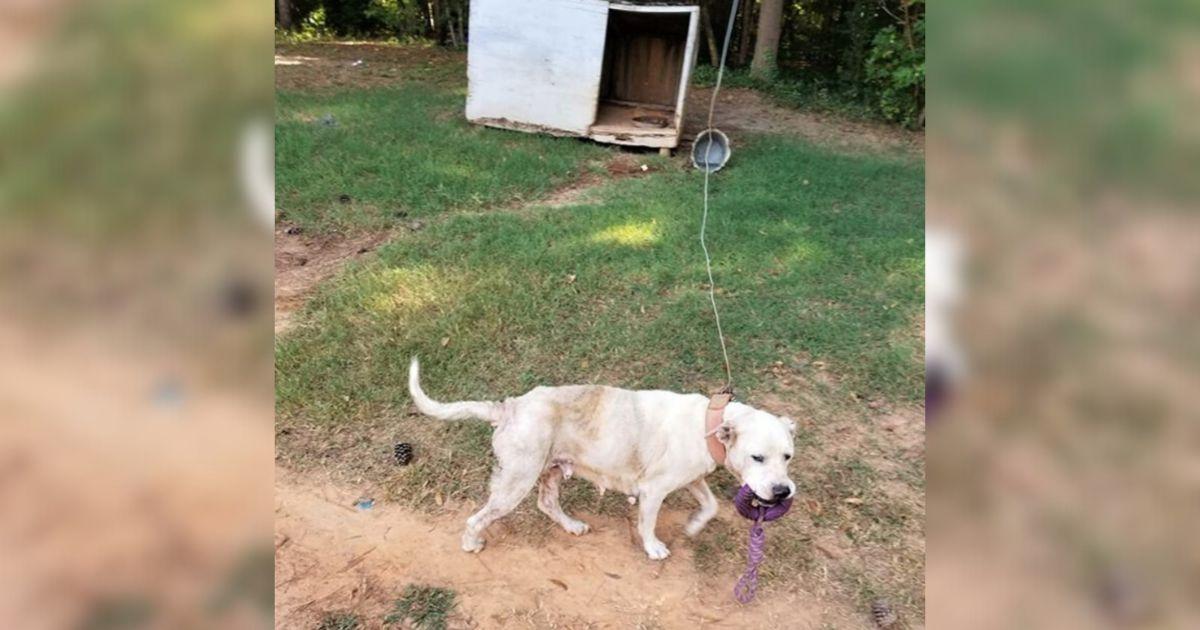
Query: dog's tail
[{"x": 464, "y": 410}]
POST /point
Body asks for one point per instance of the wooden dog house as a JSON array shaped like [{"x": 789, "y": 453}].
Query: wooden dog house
[{"x": 611, "y": 72}]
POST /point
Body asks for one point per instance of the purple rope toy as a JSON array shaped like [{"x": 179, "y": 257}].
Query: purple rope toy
[{"x": 749, "y": 506}]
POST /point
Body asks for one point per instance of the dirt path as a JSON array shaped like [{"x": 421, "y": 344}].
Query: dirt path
[
  {"x": 744, "y": 110},
  {"x": 332, "y": 557}
]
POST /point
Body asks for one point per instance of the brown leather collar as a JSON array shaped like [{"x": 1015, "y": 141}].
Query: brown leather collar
[{"x": 712, "y": 422}]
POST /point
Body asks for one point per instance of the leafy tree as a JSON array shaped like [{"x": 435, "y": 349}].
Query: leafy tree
[{"x": 896, "y": 67}]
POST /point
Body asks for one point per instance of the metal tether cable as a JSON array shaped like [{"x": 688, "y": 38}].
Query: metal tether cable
[{"x": 704, "y": 220}]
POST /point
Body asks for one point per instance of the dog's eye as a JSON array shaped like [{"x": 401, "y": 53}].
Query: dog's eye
[
  {"x": 786, "y": 457},
  {"x": 757, "y": 458}
]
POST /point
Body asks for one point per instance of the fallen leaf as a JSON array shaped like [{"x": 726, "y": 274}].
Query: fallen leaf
[
  {"x": 612, "y": 575},
  {"x": 853, "y": 500},
  {"x": 559, "y": 583},
  {"x": 570, "y": 278},
  {"x": 439, "y": 499},
  {"x": 445, "y": 341}
]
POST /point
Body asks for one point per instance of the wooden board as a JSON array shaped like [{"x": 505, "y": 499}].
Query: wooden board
[
  {"x": 536, "y": 64},
  {"x": 644, "y": 56},
  {"x": 615, "y": 124}
]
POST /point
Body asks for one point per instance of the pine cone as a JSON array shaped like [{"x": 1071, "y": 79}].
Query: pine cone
[
  {"x": 403, "y": 453},
  {"x": 883, "y": 614}
]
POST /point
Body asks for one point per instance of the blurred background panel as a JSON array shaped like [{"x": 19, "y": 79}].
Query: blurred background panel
[
  {"x": 136, "y": 386},
  {"x": 1064, "y": 469}
]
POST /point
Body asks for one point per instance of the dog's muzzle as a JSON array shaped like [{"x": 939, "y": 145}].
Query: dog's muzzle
[{"x": 779, "y": 491}]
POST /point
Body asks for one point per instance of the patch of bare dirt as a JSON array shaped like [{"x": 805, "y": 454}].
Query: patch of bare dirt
[
  {"x": 573, "y": 193},
  {"x": 302, "y": 262},
  {"x": 320, "y": 67},
  {"x": 333, "y": 556},
  {"x": 620, "y": 166},
  {"x": 745, "y": 110}
]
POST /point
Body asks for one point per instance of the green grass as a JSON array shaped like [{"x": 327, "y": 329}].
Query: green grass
[
  {"x": 817, "y": 256},
  {"x": 425, "y": 607},
  {"x": 405, "y": 150},
  {"x": 340, "y": 621}
]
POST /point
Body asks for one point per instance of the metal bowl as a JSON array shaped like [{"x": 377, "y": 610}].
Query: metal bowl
[{"x": 710, "y": 151}]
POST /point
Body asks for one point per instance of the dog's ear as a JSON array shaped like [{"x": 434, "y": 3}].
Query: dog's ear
[
  {"x": 726, "y": 433},
  {"x": 789, "y": 423}
]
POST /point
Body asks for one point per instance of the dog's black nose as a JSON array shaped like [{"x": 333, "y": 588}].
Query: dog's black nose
[{"x": 782, "y": 491}]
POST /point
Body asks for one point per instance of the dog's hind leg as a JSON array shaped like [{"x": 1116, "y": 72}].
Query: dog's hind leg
[
  {"x": 708, "y": 507},
  {"x": 548, "y": 502},
  {"x": 520, "y": 458},
  {"x": 509, "y": 485}
]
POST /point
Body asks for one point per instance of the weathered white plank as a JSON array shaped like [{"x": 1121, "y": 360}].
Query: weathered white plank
[
  {"x": 536, "y": 63},
  {"x": 689, "y": 62}
]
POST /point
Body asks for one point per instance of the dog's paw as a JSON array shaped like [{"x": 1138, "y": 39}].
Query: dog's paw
[
  {"x": 578, "y": 528},
  {"x": 471, "y": 543},
  {"x": 657, "y": 550}
]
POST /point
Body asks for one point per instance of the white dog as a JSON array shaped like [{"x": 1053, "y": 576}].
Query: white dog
[{"x": 646, "y": 444}]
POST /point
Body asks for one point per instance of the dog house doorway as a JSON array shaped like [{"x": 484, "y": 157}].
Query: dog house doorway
[
  {"x": 608, "y": 71},
  {"x": 647, "y": 58}
]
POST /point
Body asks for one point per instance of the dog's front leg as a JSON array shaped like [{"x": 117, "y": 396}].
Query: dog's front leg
[
  {"x": 650, "y": 502},
  {"x": 708, "y": 507}
]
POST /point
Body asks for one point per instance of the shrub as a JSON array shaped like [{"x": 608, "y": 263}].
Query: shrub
[{"x": 896, "y": 70}]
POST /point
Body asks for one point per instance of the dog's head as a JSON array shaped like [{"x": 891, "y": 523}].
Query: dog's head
[{"x": 758, "y": 449}]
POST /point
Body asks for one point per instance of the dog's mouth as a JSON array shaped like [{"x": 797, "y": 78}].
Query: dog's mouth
[{"x": 763, "y": 501}]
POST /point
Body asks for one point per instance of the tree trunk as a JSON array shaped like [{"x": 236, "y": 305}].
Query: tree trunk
[
  {"x": 908, "y": 26},
  {"x": 463, "y": 10},
  {"x": 743, "y": 52},
  {"x": 283, "y": 14},
  {"x": 427, "y": 16},
  {"x": 770, "y": 25},
  {"x": 714, "y": 51}
]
